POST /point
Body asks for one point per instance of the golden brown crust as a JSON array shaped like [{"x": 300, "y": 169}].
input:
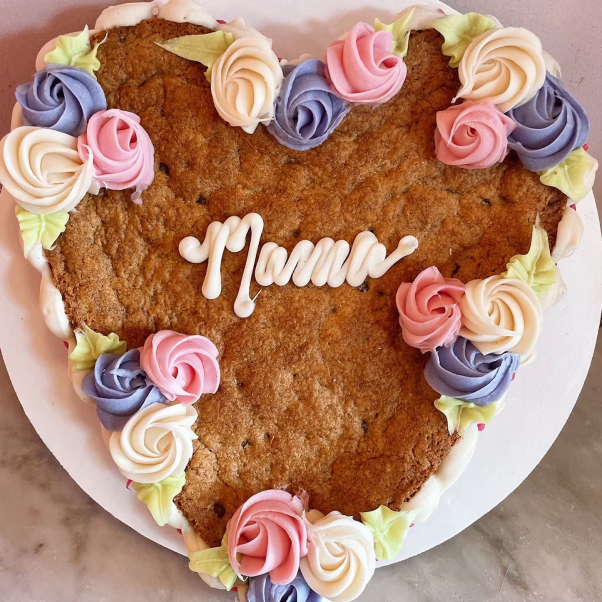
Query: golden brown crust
[{"x": 319, "y": 392}]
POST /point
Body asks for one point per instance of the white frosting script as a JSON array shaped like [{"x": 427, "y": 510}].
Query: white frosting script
[{"x": 327, "y": 262}]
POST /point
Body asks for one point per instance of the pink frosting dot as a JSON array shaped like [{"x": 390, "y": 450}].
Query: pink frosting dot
[
  {"x": 182, "y": 367},
  {"x": 362, "y": 68},
  {"x": 122, "y": 152},
  {"x": 472, "y": 135},
  {"x": 268, "y": 535},
  {"x": 481, "y": 426},
  {"x": 429, "y": 310}
]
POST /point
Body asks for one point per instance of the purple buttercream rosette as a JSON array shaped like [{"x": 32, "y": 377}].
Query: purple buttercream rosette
[
  {"x": 261, "y": 589},
  {"x": 463, "y": 372},
  {"x": 120, "y": 388},
  {"x": 549, "y": 127},
  {"x": 307, "y": 110},
  {"x": 61, "y": 98}
]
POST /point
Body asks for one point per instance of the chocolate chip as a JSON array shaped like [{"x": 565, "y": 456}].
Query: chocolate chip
[
  {"x": 201, "y": 200},
  {"x": 487, "y": 202},
  {"x": 296, "y": 233},
  {"x": 267, "y": 436},
  {"x": 363, "y": 288},
  {"x": 381, "y": 293},
  {"x": 245, "y": 444},
  {"x": 364, "y": 426},
  {"x": 219, "y": 510},
  {"x": 456, "y": 269},
  {"x": 122, "y": 39},
  {"x": 164, "y": 168}
]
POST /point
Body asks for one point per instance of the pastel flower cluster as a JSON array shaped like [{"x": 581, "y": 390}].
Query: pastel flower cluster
[
  {"x": 69, "y": 144},
  {"x": 144, "y": 396},
  {"x": 511, "y": 102}
]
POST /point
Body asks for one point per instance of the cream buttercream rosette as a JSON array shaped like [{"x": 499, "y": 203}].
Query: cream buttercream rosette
[
  {"x": 502, "y": 66},
  {"x": 42, "y": 170},
  {"x": 501, "y": 314},
  {"x": 245, "y": 82},
  {"x": 155, "y": 443},
  {"x": 341, "y": 558}
]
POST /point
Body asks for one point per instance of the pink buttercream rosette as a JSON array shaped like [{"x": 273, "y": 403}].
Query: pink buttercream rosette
[
  {"x": 122, "y": 152},
  {"x": 362, "y": 68},
  {"x": 268, "y": 535},
  {"x": 182, "y": 367},
  {"x": 429, "y": 310},
  {"x": 472, "y": 135}
]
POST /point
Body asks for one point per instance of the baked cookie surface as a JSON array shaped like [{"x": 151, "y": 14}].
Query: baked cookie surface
[{"x": 318, "y": 391}]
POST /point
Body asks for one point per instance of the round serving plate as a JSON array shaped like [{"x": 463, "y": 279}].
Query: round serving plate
[{"x": 537, "y": 406}]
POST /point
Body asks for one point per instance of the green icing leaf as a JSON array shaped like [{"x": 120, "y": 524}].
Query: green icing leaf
[
  {"x": 76, "y": 52},
  {"x": 204, "y": 49},
  {"x": 214, "y": 562},
  {"x": 536, "y": 268},
  {"x": 40, "y": 229},
  {"x": 459, "y": 31},
  {"x": 460, "y": 414},
  {"x": 574, "y": 176},
  {"x": 400, "y": 30},
  {"x": 159, "y": 496},
  {"x": 389, "y": 529},
  {"x": 91, "y": 345}
]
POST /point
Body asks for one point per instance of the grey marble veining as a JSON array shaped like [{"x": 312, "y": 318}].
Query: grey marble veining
[{"x": 542, "y": 544}]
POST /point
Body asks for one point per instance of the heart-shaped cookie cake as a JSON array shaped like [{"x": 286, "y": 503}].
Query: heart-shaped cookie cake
[{"x": 294, "y": 289}]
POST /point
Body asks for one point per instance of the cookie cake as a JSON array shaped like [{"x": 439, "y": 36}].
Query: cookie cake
[{"x": 294, "y": 291}]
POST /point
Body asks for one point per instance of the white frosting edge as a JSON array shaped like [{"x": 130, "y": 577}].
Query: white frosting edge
[
  {"x": 569, "y": 235},
  {"x": 132, "y": 13}
]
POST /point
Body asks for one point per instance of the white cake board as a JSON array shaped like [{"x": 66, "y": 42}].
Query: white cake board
[{"x": 538, "y": 404}]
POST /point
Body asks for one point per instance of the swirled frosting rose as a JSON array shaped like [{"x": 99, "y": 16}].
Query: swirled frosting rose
[
  {"x": 261, "y": 589},
  {"x": 463, "y": 372},
  {"x": 340, "y": 560},
  {"x": 268, "y": 535},
  {"x": 61, "y": 98},
  {"x": 182, "y": 367},
  {"x": 120, "y": 388},
  {"x": 472, "y": 135},
  {"x": 245, "y": 81},
  {"x": 501, "y": 314},
  {"x": 429, "y": 310},
  {"x": 549, "y": 127},
  {"x": 503, "y": 66},
  {"x": 362, "y": 68},
  {"x": 307, "y": 110},
  {"x": 42, "y": 170},
  {"x": 121, "y": 150},
  {"x": 155, "y": 443}
]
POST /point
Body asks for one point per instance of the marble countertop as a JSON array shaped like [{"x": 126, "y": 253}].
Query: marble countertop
[{"x": 543, "y": 543}]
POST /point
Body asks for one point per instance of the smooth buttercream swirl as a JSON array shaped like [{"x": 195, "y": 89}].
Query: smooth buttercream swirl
[
  {"x": 61, "y": 98},
  {"x": 245, "y": 81},
  {"x": 429, "y": 310},
  {"x": 362, "y": 68},
  {"x": 267, "y": 534},
  {"x": 42, "y": 170},
  {"x": 122, "y": 152},
  {"x": 261, "y": 589},
  {"x": 463, "y": 372},
  {"x": 549, "y": 126},
  {"x": 182, "y": 367},
  {"x": 341, "y": 558},
  {"x": 307, "y": 110},
  {"x": 155, "y": 443},
  {"x": 575, "y": 176},
  {"x": 472, "y": 135},
  {"x": 120, "y": 388},
  {"x": 568, "y": 235},
  {"x": 501, "y": 314},
  {"x": 503, "y": 66}
]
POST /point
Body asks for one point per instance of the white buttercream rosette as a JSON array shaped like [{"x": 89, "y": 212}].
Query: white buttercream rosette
[
  {"x": 501, "y": 314},
  {"x": 503, "y": 66},
  {"x": 155, "y": 443},
  {"x": 245, "y": 81},
  {"x": 341, "y": 559},
  {"x": 43, "y": 171}
]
